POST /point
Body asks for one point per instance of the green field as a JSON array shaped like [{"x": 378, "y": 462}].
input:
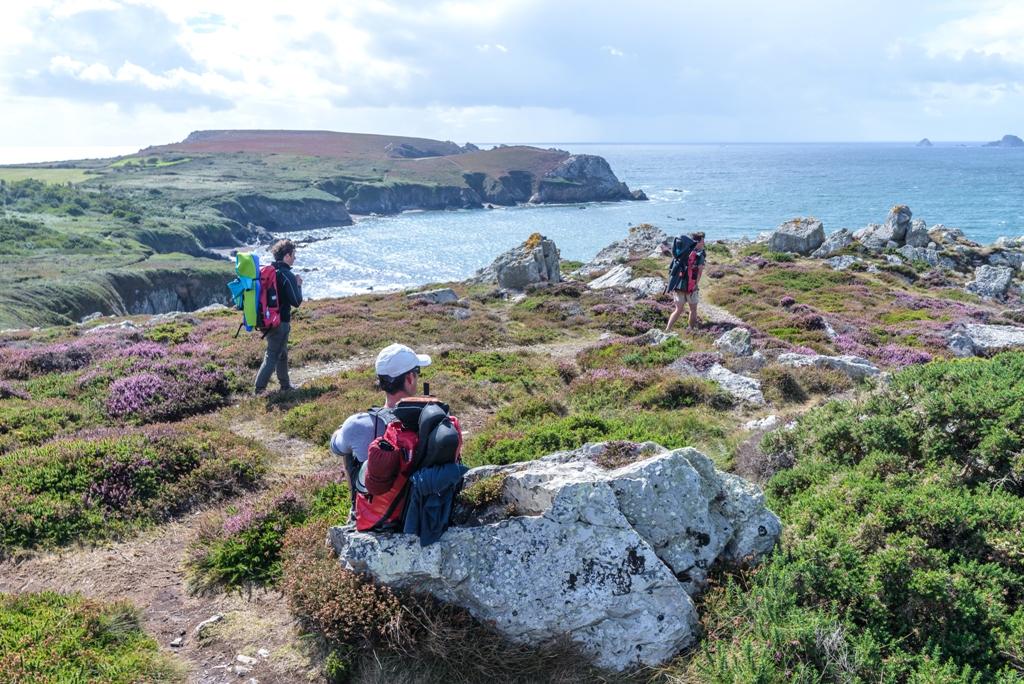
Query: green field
[{"x": 11, "y": 174}]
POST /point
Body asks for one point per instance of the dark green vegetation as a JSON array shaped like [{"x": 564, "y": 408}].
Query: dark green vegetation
[
  {"x": 902, "y": 557},
  {"x": 53, "y": 639}
]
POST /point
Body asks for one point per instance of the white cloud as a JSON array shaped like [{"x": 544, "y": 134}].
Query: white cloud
[
  {"x": 613, "y": 51},
  {"x": 487, "y": 47},
  {"x": 992, "y": 28}
]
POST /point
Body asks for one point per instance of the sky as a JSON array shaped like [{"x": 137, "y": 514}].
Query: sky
[{"x": 92, "y": 74}]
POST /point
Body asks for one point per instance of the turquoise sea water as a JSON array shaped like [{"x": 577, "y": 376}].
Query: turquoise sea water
[{"x": 726, "y": 190}]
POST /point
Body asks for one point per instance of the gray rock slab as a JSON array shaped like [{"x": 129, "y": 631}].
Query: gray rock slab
[
  {"x": 855, "y": 367},
  {"x": 801, "y": 236},
  {"x": 607, "y": 557}
]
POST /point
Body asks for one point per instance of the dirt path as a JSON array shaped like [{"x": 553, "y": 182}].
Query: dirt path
[{"x": 148, "y": 571}]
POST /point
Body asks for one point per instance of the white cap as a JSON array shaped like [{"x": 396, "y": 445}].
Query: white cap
[{"x": 396, "y": 359}]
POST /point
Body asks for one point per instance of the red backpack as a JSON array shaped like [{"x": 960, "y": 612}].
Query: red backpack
[
  {"x": 424, "y": 434},
  {"x": 268, "y": 309}
]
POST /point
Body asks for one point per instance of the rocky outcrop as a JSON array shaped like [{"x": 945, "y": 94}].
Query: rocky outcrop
[
  {"x": 617, "y": 276},
  {"x": 536, "y": 261},
  {"x": 917, "y": 234},
  {"x": 930, "y": 256},
  {"x": 975, "y": 339},
  {"x": 741, "y": 387},
  {"x": 580, "y": 178},
  {"x": 609, "y": 558},
  {"x": 515, "y": 187},
  {"x": 444, "y": 295},
  {"x": 1006, "y": 141},
  {"x": 801, "y": 236},
  {"x": 648, "y": 286},
  {"x": 891, "y": 234},
  {"x": 735, "y": 342},
  {"x": 283, "y": 212},
  {"x": 642, "y": 241},
  {"x": 991, "y": 282},
  {"x": 841, "y": 263},
  {"x": 833, "y": 243},
  {"x": 392, "y": 198},
  {"x": 853, "y": 366},
  {"x": 924, "y": 142}
]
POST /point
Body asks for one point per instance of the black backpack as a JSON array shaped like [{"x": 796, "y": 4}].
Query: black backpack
[{"x": 681, "y": 248}]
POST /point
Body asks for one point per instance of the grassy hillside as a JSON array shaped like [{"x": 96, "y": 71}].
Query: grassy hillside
[{"x": 901, "y": 501}]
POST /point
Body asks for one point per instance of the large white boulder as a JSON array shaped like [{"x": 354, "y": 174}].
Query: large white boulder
[
  {"x": 800, "y": 235},
  {"x": 975, "y": 338},
  {"x": 991, "y": 282},
  {"x": 607, "y": 557},
  {"x": 833, "y": 243},
  {"x": 536, "y": 261},
  {"x": 735, "y": 342},
  {"x": 855, "y": 367}
]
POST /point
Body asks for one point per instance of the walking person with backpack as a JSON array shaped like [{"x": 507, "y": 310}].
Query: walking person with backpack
[
  {"x": 684, "y": 275},
  {"x": 288, "y": 294}
]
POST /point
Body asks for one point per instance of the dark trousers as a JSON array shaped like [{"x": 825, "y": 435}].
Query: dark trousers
[{"x": 276, "y": 357}]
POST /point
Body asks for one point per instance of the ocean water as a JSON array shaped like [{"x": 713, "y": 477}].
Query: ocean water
[{"x": 726, "y": 190}]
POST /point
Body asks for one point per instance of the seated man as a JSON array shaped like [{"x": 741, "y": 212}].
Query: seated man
[{"x": 398, "y": 369}]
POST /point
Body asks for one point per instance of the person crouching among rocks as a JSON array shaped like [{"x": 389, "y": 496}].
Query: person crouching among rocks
[
  {"x": 402, "y": 459},
  {"x": 684, "y": 275}
]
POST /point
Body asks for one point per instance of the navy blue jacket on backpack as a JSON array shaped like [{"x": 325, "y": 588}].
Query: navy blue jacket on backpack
[{"x": 431, "y": 496}]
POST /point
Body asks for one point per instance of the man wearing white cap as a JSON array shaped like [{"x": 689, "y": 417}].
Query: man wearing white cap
[{"x": 398, "y": 369}]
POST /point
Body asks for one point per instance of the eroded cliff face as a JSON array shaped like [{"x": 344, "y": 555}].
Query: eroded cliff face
[
  {"x": 393, "y": 198},
  {"x": 159, "y": 291},
  {"x": 283, "y": 214}
]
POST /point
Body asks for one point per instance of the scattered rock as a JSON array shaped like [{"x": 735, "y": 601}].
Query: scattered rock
[
  {"x": 123, "y": 325},
  {"x": 976, "y": 338},
  {"x": 991, "y": 282},
  {"x": 1007, "y": 257},
  {"x": 766, "y": 423},
  {"x": 890, "y": 234},
  {"x": 91, "y": 317},
  {"x": 930, "y": 256},
  {"x": 263, "y": 653},
  {"x": 801, "y": 235},
  {"x": 171, "y": 316},
  {"x": 201, "y": 627},
  {"x": 642, "y": 240},
  {"x": 534, "y": 261},
  {"x": 1004, "y": 242},
  {"x": 740, "y": 387},
  {"x": 855, "y": 367},
  {"x": 654, "y": 337},
  {"x": 444, "y": 295},
  {"x": 212, "y": 308},
  {"x": 841, "y": 263},
  {"x": 617, "y": 276},
  {"x": 833, "y": 243},
  {"x": 246, "y": 660},
  {"x": 606, "y": 557},
  {"x": 647, "y": 287},
  {"x": 177, "y": 643},
  {"x": 735, "y": 342},
  {"x": 917, "y": 234},
  {"x": 461, "y": 314}
]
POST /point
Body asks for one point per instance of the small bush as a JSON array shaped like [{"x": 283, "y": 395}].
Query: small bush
[
  {"x": 51, "y": 638},
  {"x": 105, "y": 484},
  {"x": 684, "y": 392}
]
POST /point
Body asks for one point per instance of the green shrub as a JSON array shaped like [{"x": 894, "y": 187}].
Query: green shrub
[
  {"x": 26, "y": 423},
  {"x": 902, "y": 558},
  {"x": 54, "y": 638},
  {"x": 684, "y": 392},
  {"x": 169, "y": 333},
  {"x": 111, "y": 482}
]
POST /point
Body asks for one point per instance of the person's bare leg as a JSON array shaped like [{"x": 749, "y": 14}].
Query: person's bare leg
[
  {"x": 675, "y": 313},
  {"x": 693, "y": 315}
]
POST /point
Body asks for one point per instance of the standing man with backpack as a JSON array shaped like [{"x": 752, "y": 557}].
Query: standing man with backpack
[
  {"x": 684, "y": 275},
  {"x": 289, "y": 294}
]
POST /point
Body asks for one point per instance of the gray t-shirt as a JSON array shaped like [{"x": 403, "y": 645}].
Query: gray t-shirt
[{"x": 355, "y": 434}]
